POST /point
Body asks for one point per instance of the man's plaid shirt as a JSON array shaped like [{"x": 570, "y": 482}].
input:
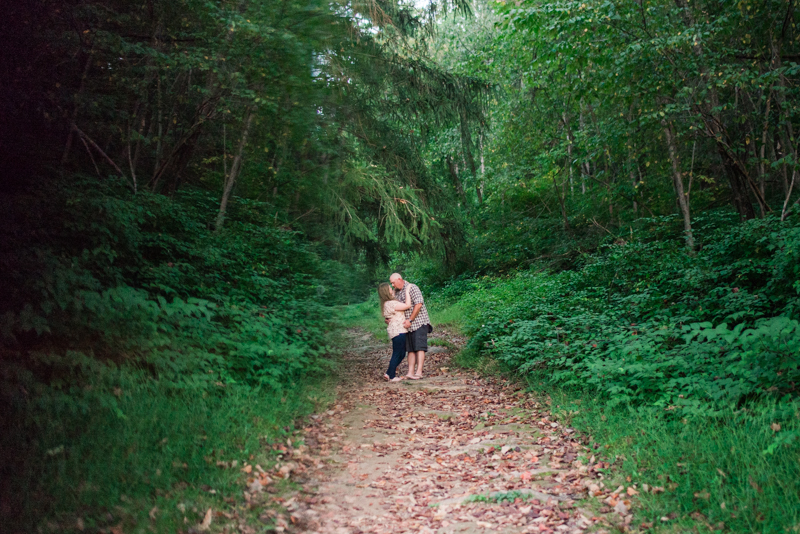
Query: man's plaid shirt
[{"x": 422, "y": 318}]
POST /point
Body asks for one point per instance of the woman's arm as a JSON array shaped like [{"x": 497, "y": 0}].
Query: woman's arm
[{"x": 403, "y": 307}]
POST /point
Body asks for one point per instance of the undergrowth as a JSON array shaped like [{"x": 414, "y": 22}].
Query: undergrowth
[
  {"x": 144, "y": 353},
  {"x": 685, "y": 367}
]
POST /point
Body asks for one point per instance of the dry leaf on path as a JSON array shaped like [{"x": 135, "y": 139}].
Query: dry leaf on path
[{"x": 206, "y": 524}]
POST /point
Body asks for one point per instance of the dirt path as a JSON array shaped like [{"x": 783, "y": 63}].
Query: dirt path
[{"x": 452, "y": 453}]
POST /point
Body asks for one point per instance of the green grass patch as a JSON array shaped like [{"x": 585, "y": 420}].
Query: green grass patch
[
  {"x": 162, "y": 456},
  {"x": 364, "y": 316},
  {"x": 444, "y": 314},
  {"x": 734, "y": 471},
  {"x": 499, "y": 497},
  {"x": 714, "y": 471},
  {"x": 367, "y": 316}
]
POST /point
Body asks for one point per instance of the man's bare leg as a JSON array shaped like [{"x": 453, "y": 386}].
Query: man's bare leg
[
  {"x": 420, "y": 361},
  {"x": 412, "y": 358}
]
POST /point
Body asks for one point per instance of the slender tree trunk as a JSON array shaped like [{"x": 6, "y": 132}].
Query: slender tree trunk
[
  {"x": 785, "y": 209},
  {"x": 160, "y": 118},
  {"x": 776, "y": 152},
  {"x": 68, "y": 144},
  {"x": 585, "y": 166},
  {"x": 677, "y": 182},
  {"x": 762, "y": 167},
  {"x": 560, "y": 198},
  {"x": 713, "y": 122},
  {"x": 479, "y": 184},
  {"x": 633, "y": 178},
  {"x": 235, "y": 168},
  {"x": 88, "y": 141},
  {"x": 568, "y": 129},
  {"x": 453, "y": 168}
]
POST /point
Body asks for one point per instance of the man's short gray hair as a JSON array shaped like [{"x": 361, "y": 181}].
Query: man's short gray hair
[{"x": 395, "y": 275}]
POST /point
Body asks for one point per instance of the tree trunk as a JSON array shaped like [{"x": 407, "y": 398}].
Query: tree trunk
[
  {"x": 235, "y": 168},
  {"x": 785, "y": 209},
  {"x": 560, "y": 198},
  {"x": 77, "y": 98},
  {"x": 586, "y": 169},
  {"x": 677, "y": 182},
  {"x": 568, "y": 129},
  {"x": 453, "y": 168},
  {"x": 633, "y": 178},
  {"x": 479, "y": 183},
  {"x": 715, "y": 130}
]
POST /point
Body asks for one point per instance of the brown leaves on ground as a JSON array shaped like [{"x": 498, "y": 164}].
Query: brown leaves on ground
[{"x": 452, "y": 453}]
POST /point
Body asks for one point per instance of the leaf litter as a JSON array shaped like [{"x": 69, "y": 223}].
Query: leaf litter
[{"x": 451, "y": 453}]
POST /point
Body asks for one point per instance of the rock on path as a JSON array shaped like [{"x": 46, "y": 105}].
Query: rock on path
[{"x": 452, "y": 453}]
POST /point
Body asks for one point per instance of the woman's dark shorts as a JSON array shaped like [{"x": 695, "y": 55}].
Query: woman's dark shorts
[{"x": 417, "y": 340}]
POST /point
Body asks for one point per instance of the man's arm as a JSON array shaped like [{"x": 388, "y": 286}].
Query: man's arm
[
  {"x": 414, "y": 314},
  {"x": 416, "y": 299}
]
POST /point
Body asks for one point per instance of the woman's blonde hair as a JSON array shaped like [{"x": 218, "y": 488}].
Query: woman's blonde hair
[{"x": 385, "y": 293}]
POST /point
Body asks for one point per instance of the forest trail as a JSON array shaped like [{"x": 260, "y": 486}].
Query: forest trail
[{"x": 452, "y": 453}]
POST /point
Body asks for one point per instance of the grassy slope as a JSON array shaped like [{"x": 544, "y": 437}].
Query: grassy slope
[
  {"x": 715, "y": 474},
  {"x": 165, "y": 461}
]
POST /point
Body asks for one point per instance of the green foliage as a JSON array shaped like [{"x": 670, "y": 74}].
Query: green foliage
[
  {"x": 644, "y": 323},
  {"x": 711, "y": 471},
  {"x": 683, "y": 367},
  {"x": 499, "y": 497},
  {"x": 132, "y": 334}
]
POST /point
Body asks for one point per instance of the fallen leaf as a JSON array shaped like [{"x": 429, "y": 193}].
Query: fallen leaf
[
  {"x": 206, "y": 524},
  {"x": 775, "y": 426}
]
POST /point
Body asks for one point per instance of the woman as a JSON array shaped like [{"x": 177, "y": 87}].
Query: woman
[{"x": 393, "y": 310}]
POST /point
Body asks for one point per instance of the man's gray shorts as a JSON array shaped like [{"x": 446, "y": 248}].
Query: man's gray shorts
[{"x": 417, "y": 340}]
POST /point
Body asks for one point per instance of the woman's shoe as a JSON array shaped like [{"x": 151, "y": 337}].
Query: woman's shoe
[{"x": 386, "y": 377}]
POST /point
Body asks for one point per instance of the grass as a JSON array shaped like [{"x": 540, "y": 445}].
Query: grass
[
  {"x": 715, "y": 472},
  {"x": 450, "y": 315},
  {"x": 366, "y": 316},
  {"x": 499, "y": 497},
  {"x": 158, "y": 464}
]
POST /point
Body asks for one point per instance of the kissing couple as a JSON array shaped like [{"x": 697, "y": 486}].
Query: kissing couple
[{"x": 408, "y": 326}]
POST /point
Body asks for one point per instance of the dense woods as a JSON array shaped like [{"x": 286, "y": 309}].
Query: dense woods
[{"x": 607, "y": 195}]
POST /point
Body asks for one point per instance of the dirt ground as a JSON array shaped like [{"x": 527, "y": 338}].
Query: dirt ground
[{"x": 452, "y": 453}]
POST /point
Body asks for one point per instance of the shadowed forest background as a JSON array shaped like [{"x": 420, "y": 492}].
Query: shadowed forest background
[{"x": 603, "y": 195}]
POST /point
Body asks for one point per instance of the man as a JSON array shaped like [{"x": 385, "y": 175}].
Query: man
[{"x": 417, "y": 323}]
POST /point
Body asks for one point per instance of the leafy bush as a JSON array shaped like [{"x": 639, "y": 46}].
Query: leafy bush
[
  {"x": 112, "y": 304},
  {"x": 685, "y": 367},
  {"x": 646, "y": 323}
]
